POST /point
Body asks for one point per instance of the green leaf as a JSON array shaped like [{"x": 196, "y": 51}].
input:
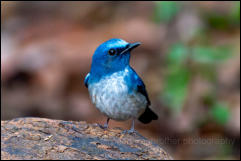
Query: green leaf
[
  {"x": 178, "y": 54},
  {"x": 207, "y": 54},
  {"x": 220, "y": 113},
  {"x": 224, "y": 20},
  {"x": 207, "y": 72},
  {"x": 235, "y": 12},
  {"x": 165, "y": 10},
  {"x": 176, "y": 87},
  {"x": 217, "y": 21}
]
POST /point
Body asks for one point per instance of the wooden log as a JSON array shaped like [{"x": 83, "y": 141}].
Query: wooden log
[{"x": 40, "y": 138}]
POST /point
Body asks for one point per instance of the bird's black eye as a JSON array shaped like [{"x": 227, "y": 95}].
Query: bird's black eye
[{"x": 112, "y": 52}]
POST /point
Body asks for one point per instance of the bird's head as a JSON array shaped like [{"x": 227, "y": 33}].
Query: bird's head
[{"x": 112, "y": 56}]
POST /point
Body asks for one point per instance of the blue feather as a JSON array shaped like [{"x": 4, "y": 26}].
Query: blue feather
[
  {"x": 86, "y": 80},
  {"x": 135, "y": 83},
  {"x": 114, "y": 87}
]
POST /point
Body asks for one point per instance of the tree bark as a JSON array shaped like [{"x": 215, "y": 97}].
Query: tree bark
[{"x": 39, "y": 138}]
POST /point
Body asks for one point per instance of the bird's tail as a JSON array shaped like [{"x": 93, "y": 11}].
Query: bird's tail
[{"x": 147, "y": 116}]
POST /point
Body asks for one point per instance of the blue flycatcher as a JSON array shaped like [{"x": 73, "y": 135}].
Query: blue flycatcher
[{"x": 114, "y": 87}]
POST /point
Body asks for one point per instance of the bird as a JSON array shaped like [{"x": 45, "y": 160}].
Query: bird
[{"x": 115, "y": 88}]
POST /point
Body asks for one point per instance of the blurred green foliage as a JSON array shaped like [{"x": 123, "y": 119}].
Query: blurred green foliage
[
  {"x": 176, "y": 87},
  {"x": 198, "y": 57},
  {"x": 217, "y": 20},
  {"x": 235, "y": 12},
  {"x": 220, "y": 113},
  {"x": 178, "y": 54},
  {"x": 178, "y": 77},
  {"x": 165, "y": 10},
  {"x": 210, "y": 55},
  {"x": 185, "y": 62}
]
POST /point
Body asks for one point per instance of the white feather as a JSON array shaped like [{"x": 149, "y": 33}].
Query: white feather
[{"x": 110, "y": 95}]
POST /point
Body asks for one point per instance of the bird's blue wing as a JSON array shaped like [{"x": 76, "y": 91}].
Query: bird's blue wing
[
  {"x": 141, "y": 88},
  {"x": 86, "y": 79},
  {"x": 137, "y": 84}
]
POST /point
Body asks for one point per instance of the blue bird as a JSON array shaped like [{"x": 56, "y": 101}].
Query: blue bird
[{"x": 114, "y": 87}]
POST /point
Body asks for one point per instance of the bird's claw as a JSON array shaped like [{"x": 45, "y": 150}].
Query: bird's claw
[
  {"x": 131, "y": 131},
  {"x": 104, "y": 127}
]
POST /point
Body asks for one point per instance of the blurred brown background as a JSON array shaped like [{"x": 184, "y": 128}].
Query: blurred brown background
[{"x": 189, "y": 60}]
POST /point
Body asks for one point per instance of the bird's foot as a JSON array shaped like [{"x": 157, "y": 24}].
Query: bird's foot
[
  {"x": 131, "y": 131},
  {"x": 104, "y": 127}
]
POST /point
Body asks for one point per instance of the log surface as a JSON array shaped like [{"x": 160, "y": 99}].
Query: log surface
[{"x": 40, "y": 138}]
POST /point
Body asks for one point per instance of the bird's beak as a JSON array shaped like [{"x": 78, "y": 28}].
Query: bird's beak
[{"x": 131, "y": 46}]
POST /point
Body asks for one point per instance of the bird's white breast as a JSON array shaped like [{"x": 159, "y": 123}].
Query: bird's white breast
[{"x": 110, "y": 95}]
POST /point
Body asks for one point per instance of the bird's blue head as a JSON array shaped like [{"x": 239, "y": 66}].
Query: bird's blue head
[{"x": 111, "y": 56}]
